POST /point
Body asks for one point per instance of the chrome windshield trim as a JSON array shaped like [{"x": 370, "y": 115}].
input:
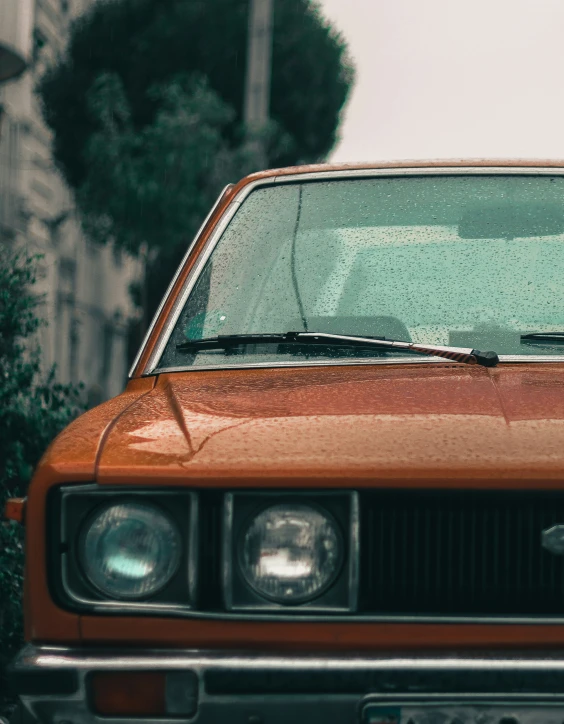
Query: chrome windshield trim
[
  {"x": 531, "y": 358},
  {"x": 422, "y": 171},
  {"x": 151, "y": 366},
  {"x": 174, "y": 278},
  {"x": 316, "y": 363},
  {"x": 349, "y": 363}
]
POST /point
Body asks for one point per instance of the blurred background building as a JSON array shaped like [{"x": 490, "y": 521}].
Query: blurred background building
[{"x": 84, "y": 288}]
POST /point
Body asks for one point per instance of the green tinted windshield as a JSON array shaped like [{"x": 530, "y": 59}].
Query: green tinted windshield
[{"x": 472, "y": 261}]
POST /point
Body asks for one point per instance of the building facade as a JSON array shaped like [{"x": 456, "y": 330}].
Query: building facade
[
  {"x": 15, "y": 38},
  {"x": 84, "y": 288}
]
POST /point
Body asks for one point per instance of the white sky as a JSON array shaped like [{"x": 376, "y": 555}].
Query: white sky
[{"x": 453, "y": 78}]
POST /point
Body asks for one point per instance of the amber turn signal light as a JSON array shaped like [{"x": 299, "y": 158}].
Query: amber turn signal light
[
  {"x": 15, "y": 509},
  {"x": 144, "y": 694},
  {"x": 133, "y": 693}
]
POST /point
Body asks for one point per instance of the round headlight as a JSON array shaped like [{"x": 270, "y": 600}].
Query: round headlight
[
  {"x": 291, "y": 553},
  {"x": 130, "y": 550}
]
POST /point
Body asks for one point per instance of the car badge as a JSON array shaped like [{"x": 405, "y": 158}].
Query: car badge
[{"x": 553, "y": 539}]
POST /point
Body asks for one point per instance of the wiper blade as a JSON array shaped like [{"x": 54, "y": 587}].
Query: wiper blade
[
  {"x": 555, "y": 337},
  {"x": 456, "y": 354}
]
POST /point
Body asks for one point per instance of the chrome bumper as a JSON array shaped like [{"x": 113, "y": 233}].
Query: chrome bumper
[{"x": 259, "y": 688}]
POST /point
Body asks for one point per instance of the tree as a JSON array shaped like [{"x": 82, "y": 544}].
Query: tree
[
  {"x": 150, "y": 188},
  {"x": 32, "y": 412},
  {"x": 148, "y": 42},
  {"x": 146, "y": 111}
]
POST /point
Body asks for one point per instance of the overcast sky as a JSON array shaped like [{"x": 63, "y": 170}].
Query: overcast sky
[{"x": 453, "y": 78}]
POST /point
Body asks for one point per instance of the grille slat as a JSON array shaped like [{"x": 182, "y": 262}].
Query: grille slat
[{"x": 466, "y": 553}]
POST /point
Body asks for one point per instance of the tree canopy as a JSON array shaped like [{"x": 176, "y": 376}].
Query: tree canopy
[
  {"x": 147, "y": 42},
  {"x": 146, "y": 109}
]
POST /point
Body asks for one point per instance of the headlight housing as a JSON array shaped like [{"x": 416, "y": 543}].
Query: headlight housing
[
  {"x": 129, "y": 550},
  {"x": 291, "y": 552}
]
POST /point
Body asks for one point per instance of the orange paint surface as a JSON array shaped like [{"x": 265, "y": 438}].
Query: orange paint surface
[
  {"x": 71, "y": 458},
  {"x": 15, "y": 509},
  {"x": 344, "y": 426},
  {"x": 313, "y": 636}
]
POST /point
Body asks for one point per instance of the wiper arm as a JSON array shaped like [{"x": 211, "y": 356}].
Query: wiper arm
[
  {"x": 456, "y": 354},
  {"x": 554, "y": 337}
]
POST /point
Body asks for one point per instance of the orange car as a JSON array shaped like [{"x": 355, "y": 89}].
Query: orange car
[{"x": 332, "y": 490}]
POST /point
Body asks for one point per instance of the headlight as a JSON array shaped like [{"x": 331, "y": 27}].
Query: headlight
[
  {"x": 291, "y": 553},
  {"x": 130, "y": 550}
]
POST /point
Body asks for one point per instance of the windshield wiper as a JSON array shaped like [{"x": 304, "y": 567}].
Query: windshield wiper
[
  {"x": 554, "y": 337},
  {"x": 456, "y": 354}
]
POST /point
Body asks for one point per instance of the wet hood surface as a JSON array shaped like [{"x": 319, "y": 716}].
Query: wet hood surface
[{"x": 331, "y": 424}]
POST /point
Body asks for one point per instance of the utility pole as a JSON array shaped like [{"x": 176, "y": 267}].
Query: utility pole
[{"x": 257, "y": 83}]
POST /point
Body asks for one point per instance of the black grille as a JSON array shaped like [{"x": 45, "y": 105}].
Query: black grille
[
  {"x": 444, "y": 553},
  {"x": 210, "y": 519}
]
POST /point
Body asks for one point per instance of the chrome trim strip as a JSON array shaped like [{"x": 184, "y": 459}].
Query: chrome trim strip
[
  {"x": 193, "y": 548},
  {"x": 531, "y": 358},
  {"x": 350, "y": 363},
  {"x": 330, "y": 707},
  {"x": 117, "y": 606},
  {"x": 354, "y": 556},
  {"x": 227, "y": 533},
  {"x": 259, "y": 616},
  {"x": 174, "y": 278},
  {"x": 308, "y": 363},
  {"x": 46, "y": 657},
  {"x": 152, "y": 364},
  {"x": 421, "y": 171},
  {"x": 314, "y": 612}
]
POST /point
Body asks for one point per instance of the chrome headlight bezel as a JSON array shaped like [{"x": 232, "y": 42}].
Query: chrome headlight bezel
[
  {"x": 74, "y": 506},
  {"x": 341, "y": 592}
]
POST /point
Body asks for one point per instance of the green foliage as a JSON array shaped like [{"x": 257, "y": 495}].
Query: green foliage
[
  {"x": 149, "y": 188},
  {"x": 146, "y": 43},
  {"x": 11, "y": 615},
  {"x": 158, "y": 180},
  {"x": 32, "y": 412},
  {"x": 146, "y": 111}
]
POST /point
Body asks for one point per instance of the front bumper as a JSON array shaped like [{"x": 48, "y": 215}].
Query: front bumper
[{"x": 259, "y": 688}]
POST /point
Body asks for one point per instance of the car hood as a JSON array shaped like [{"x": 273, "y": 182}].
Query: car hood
[{"x": 424, "y": 422}]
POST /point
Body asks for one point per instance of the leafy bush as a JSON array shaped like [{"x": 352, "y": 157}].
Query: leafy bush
[{"x": 32, "y": 412}]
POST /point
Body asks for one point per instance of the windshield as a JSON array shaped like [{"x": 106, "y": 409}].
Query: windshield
[{"x": 470, "y": 261}]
